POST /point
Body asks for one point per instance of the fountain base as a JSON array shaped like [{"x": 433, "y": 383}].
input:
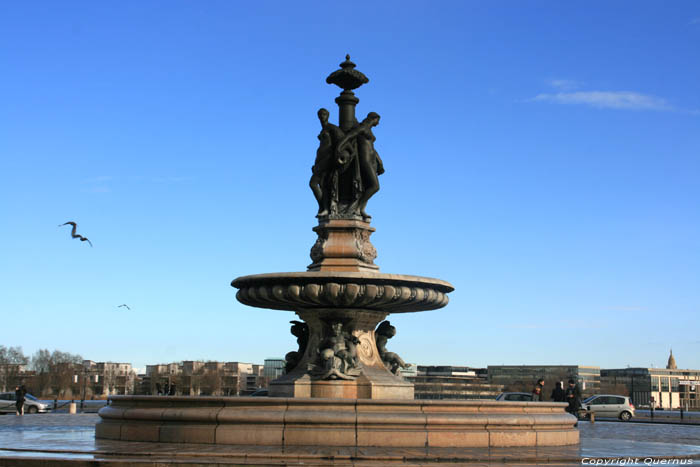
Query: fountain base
[{"x": 273, "y": 421}]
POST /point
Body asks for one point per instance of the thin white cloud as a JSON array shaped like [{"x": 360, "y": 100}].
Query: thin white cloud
[
  {"x": 99, "y": 189},
  {"x": 695, "y": 21},
  {"x": 565, "y": 84},
  {"x": 559, "y": 324},
  {"x": 99, "y": 179},
  {"x": 629, "y": 309},
  {"x": 607, "y": 100},
  {"x": 170, "y": 179}
]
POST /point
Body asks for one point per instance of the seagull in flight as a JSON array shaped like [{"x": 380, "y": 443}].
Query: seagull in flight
[
  {"x": 124, "y": 305},
  {"x": 75, "y": 235}
]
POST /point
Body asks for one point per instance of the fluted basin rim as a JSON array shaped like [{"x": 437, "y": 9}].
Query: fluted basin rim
[{"x": 342, "y": 277}]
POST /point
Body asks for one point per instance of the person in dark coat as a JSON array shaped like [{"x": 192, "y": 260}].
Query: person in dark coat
[
  {"x": 558, "y": 394},
  {"x": 19, "y": 399},
  {"x": 537, "y": 394},
  {"x": 171, "y": 391},
  {"x": 538, "y": 391},
  {"x": 573, "y": 397}
]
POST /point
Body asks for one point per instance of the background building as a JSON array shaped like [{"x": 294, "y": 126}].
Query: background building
[
  {"x": 452, "y": 382},
  {"x": 522, "y": 378},
  {"x": 273, "y": 368},
  {"x": 667, "y": 388},
  {"x": 195, "y": 378}
]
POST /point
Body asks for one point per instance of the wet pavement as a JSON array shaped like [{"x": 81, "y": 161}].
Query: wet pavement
[{"x": 62, "y": 439}]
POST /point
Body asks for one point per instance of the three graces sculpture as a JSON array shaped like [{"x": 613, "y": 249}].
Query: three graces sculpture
[{"x": 345, "y": 173}]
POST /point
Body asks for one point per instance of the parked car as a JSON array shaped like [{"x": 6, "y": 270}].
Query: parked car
[
  {"x": 31, "y": 404},
  {"x": 262, "y": 392},
  {"x": 609, "y": 405},
  {"x": 514, "y": 396}
]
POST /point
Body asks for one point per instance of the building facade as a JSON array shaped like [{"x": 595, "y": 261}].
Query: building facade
[
  {"x": 452, "y": 382},
  {"x": 197, "y": 378},
  {"x": 107, "y": 378},
  {"x": 273, "y": 368},
  {"x": 522, "y": 378},
  {"x": 665, "y": 388}
]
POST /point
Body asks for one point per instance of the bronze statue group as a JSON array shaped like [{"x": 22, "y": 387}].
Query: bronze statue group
[{"x": 345, "y": 173}]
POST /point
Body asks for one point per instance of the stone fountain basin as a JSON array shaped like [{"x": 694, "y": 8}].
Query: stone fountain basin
[
  {"x": 279, "y": 421},
  {"x": 392, "y": 293}
]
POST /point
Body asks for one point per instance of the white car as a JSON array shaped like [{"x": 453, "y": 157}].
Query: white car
[
  {"x": 31, "y": 404},
  {"x": 515, "y": 396},
  {"x": 609, "y": 405}
]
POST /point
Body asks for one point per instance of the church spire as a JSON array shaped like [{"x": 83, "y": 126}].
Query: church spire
[{"x": 671, "y": 365}]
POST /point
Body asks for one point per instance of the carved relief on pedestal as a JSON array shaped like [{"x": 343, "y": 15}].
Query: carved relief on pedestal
[
  {"x": 337, "y": 354},
  {"x": 365, "y": 349},
  {"x": 367, "y": 252},
  {"x": 317, "y": 249}
]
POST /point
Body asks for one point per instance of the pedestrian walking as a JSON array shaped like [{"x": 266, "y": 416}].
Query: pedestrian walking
[
  {"x": 538, "y": 391},
  {"x": 171, "y": 392},
  {"x": 19, "y": 399},
  {"x": 558, "y": 394},
  {"x": 573, "y": 397}
]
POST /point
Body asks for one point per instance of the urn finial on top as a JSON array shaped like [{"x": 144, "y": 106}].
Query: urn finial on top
[{"x": 347, "y": 78}]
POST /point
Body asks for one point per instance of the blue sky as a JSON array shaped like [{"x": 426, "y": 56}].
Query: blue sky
[{"x": 543, "y": 157}]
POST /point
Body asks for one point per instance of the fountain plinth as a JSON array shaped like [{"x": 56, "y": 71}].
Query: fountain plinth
[{"x": 342, "y": 385}]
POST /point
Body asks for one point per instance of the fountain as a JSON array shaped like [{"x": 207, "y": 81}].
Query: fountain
[{"x": 342, "y": 386}]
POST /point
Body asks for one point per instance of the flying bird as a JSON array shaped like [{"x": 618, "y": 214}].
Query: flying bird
[
  {"x": 75, "y": 235},
  {"x": 124, "y": 305}
]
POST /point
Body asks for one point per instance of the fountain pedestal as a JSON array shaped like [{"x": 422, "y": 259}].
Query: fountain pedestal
[{"x": 358, "y": 300}]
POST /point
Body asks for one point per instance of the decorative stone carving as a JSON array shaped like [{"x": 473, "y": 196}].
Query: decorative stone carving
[
  {"x": 365, "y": 349},
  {"x": 343, "y": 245},
  {"x": 337, "y": 355},
  {"x": 383, "y": 292},
  {"x": 367, "y": 251},
  {"x": 383, "y": 333},
  {"x": 317, "y": 249},
  {"x": 301, "y": 331}
]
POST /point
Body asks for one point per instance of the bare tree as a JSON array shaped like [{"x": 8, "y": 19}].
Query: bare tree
[
  {"x": 210, "y": 381},
  {"x": 54, "y": 372},
  {"x": 11, "y": 361}
]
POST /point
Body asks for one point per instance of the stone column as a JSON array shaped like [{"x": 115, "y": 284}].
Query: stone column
[{"x": 346, "y": 110}]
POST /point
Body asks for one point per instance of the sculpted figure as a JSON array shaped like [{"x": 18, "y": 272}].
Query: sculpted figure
[
  {"x": 368, "y": 163},
  {"x": 392, "y": 361},
  {"x": 301, "y": 331},
  {"x": 338, "y": 354},
  {"x": 321, "y": 178}
]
